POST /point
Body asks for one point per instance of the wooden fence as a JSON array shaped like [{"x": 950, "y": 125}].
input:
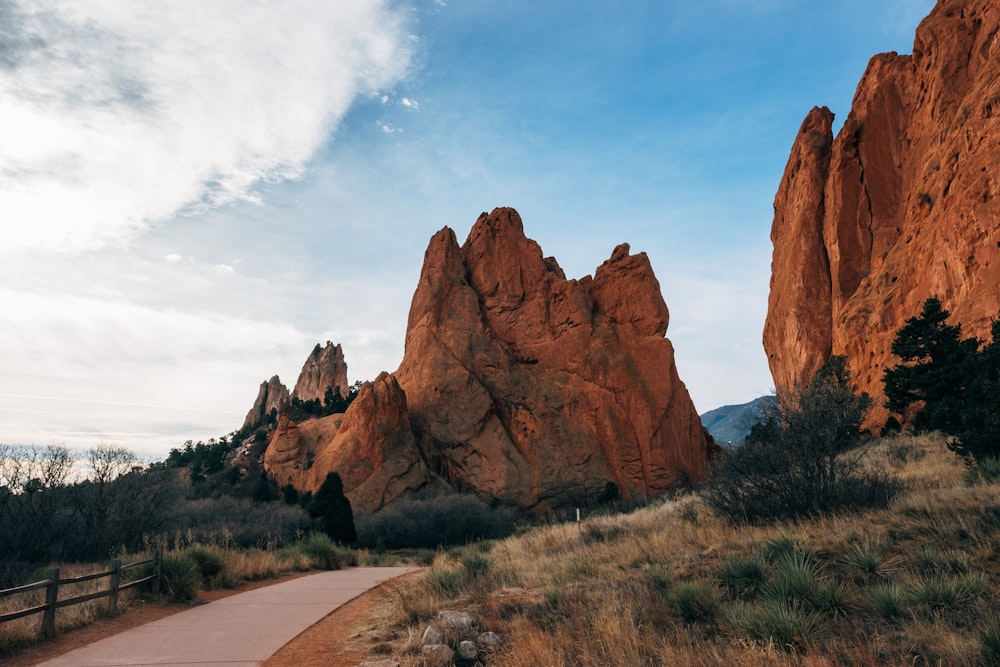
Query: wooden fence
[{"x": 52, "y": 584}]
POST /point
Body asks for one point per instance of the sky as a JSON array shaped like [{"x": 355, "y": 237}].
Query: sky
[{"x": 193, "y": 194}]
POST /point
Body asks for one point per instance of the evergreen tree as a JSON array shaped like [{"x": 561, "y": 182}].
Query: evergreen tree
[
  {"x": 980, "y": 432},
  {"x": 333, "y": 510},
  {"x": 927, "y": 388}
]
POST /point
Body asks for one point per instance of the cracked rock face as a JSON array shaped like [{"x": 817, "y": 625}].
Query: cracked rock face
[
  {"x": 520, "y": 385},
  {"x": 900, "y": 206},
  {"x": 324, "y": 369},
  {"x": 272, "y": 395}
]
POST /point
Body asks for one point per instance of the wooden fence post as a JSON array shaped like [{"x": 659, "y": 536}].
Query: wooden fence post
[
  {"x": 158, "y": 571},
  {"x": 116, "y": 577},
  {"x": 51, "y": 598}
]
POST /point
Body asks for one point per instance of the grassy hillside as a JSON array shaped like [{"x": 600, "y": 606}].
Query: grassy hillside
[{"x": 671, "y": 584}]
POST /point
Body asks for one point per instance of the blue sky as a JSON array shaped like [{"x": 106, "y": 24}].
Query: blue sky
[{"x": 193, "y": 194}]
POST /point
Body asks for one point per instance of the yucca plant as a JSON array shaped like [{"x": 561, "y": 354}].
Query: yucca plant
[
  {"x": 868, "y": 558},
  {"x": 796, "y": 577},
  {"x": 743, "y": 575},
  {"x": 180, "y": 575},
  {"x": 695, "y": 601},
  {"x": 889, "y": 599}
]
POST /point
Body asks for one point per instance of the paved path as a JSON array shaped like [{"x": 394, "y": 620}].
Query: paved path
[{"x": 241, "y": 630}]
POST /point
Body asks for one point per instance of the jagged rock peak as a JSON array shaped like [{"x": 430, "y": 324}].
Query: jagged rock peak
[
  {"x": 272, "y": 395},
  {"x": 904, "y": 204},
  {"x": 324, "y": 369},
  {"x": 516, "y": 384}
]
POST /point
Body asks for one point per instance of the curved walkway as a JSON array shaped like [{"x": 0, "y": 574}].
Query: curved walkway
[{"x": 241, "y": 630}]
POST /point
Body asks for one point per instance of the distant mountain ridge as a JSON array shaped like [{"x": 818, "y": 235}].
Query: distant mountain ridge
[{"x": 730, "y": 424}]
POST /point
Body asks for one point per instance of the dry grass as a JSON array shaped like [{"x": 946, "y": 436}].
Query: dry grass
[
  {"x": 912, "y": 584},
  {"x": 25, "y": 631}
]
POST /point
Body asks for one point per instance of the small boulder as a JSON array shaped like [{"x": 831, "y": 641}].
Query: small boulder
[
  {"x": 431, "y": 636},
  {"x": 490, "y": 640},
  {"x": 437, "y": 655},
  {"x": 454, "y": 619},
  {"x": 468, "y": 650}
]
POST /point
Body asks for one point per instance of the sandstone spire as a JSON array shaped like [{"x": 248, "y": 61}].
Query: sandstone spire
[
  {"x": 517, "y": 384},
  {"x": 903, "y": 205}
]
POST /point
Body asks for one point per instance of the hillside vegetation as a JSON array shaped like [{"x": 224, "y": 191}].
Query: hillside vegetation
[{"x": 673, "y": 584}]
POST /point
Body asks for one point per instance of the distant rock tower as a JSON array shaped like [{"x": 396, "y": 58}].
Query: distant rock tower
[{"x": 325, "y": 368}]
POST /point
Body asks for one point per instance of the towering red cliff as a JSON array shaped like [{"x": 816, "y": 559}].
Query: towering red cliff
[
  {"x": 902, "y": 205},
  {"x": 516, "y": 384}
]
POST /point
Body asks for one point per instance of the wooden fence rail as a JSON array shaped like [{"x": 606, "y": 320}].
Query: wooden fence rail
[{"x": 52, "y": 584}]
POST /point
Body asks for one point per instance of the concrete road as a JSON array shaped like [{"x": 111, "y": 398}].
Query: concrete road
[{"x": 241, "y": 630}]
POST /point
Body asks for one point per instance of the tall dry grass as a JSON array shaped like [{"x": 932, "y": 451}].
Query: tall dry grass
[
  {"x": 25, "y": 631},
  {"x": 912, "y": 584}
]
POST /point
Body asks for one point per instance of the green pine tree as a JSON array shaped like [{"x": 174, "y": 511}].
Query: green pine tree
[
  {"x": 333, "y": 510},
  {"x": 927, "y": 388}
]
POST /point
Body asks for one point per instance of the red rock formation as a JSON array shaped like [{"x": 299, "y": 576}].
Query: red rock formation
[
  {"x": 519, "y": 384},
  {"x": 324, "y": 369},
  {"x": 272, "y": 395},
  {"x": 903, "y": 205}
]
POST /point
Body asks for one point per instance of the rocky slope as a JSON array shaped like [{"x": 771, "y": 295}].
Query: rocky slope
[
  {"x": 516, "y": 384},
  {"x": 900, "y": 206},
  {"x": 730, "y": 424}
]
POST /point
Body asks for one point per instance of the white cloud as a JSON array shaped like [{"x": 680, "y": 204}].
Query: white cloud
[
  {"x": 410, "y": 104},
  {"x": 122, "y": 114},
  {"x": 174, "y": 258},
  {"x": 87, "y": 368},
  {"x": 386, "y": 128}
]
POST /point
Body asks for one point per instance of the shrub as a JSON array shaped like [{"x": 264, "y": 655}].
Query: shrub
[
  {"x": 325, "y": 552},
  {"x": 695, "y": 601},
  {"x": 476, "y": 565},
  {"x": 181, "y": 575},
  {"x": 433, "y": 522},
  {"x": 985, "y": 470},
  {"x": 445, "y": 579},
  {"x": 210, "y": 562},
  {"x": 803, "y": 468},
  {"x": 659, "y": 577}
]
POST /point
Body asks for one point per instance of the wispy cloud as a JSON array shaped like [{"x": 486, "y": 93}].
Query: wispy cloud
[{"x": 120, "y": 115}]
